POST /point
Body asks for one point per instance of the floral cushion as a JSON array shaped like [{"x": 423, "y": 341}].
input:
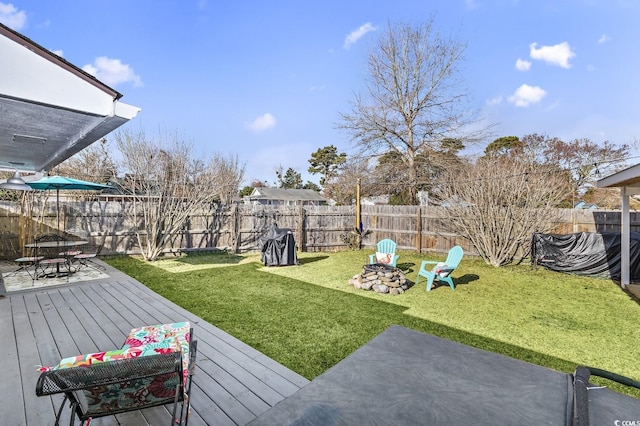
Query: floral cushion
[
  {"x": 87, "y": 360},
  {"x": 176, "y": 334},
  {"x": 125, "y": 396},
  {"x": 384, "y": 257}
]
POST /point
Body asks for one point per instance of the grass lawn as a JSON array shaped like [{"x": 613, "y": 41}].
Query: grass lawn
[{"x": 308, "y": 318}]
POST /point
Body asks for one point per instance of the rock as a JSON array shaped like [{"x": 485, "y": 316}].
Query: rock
[{"x": 380, "y": 288}]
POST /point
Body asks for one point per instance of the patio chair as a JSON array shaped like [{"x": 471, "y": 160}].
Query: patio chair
[
  {"x": 50, "y": 253},
  {"x": 441, "y": 271},
  {"x": 86, "y": 256},
  {"x": 25, "y": 263},
  {"x": 385, "y": 253},
  {"x": 135, "y": 377}
]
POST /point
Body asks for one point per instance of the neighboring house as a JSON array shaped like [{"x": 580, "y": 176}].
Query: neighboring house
[
  {"x": 455, "y": 201},
  {"x": 585, "y": 205},
  {"x": 285, "y": 197},
  {"x": 375, "y": 200}
]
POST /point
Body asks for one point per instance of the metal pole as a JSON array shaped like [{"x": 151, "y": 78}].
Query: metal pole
[
  {"x": 358, "y": 208},
  {"x": 58, "y": 208}
]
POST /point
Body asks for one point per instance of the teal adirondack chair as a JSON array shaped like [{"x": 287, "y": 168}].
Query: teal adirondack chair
[
  {"x": 441, "y": 271},
  {"x": 385, "y": 253}
]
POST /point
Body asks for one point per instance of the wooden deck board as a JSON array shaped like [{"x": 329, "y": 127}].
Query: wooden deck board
[
  {"x": 233, "y": 384},
  {"x": 9, "y": 362}
]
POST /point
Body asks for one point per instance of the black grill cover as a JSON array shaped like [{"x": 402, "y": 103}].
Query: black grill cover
[
  {"x": 586, "y": 253},
  {"x": 279, "y": 247}
]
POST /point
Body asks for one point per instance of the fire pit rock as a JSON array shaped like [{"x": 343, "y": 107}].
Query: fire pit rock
[{"x": 381, "y": 278}]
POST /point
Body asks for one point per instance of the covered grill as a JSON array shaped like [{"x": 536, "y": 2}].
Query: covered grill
[{"x": 278, "y": 247}]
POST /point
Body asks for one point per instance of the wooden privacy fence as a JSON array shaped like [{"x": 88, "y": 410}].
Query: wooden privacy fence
[{"x": 239, "y": 227}]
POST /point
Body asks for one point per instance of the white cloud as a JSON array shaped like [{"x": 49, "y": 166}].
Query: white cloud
[
  {"x": 522, "y": 65},
  {"x": 112, "y": 72},
  {"x": 526, "y": 95},
  {"x": 12, "y": 17},
  {"x": 603, "y": 39},
  {"x": 262, "y": 123},
  {"x": 58, "y": 52},
  {"x": 355, "y": 35},
  {"x": 558, "y": 54}
]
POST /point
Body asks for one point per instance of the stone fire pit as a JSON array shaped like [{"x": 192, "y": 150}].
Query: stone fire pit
[{"x": 381, "y": 278}]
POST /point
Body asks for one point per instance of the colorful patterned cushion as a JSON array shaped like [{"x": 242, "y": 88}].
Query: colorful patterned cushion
[
  {"x": 176, "y": 334},
  {"x": 87, "y": 360}
]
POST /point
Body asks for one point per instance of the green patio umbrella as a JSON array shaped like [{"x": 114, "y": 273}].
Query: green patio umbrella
[{"x": 61, "y": 182}]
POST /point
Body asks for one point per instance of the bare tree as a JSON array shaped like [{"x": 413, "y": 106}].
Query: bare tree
[
  {"x": 341, "y": 187},
  {"x": 498, "y": 202},
  {"x": 94, "y": 163},
  {"x": 168, "y": 185},
  {"x": 226, "y": 173},
  {"x": 414, "y": 103}
]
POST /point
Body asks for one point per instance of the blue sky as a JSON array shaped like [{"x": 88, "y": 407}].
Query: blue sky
[{"x": 267, "y": 80}]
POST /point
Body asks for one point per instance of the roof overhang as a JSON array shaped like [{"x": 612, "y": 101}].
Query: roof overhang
[
  {"x": 629, "y": 177},
  {"x": 628, "y": 180},
  {"x": 49, "y": 108}
]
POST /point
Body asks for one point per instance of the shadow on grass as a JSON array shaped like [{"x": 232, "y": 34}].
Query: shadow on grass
[
  {"x": 463, "y": 280},
  {"x": 406, "y": 267},
  {"x": 466, "y": 279},
  {"x": 213, "y": 259},
  {"x": 304, "y": 261}
]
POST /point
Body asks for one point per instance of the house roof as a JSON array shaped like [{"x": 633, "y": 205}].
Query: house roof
[
  {"x": 286, "y": 194},
  {"x": 51, "y": 109}
]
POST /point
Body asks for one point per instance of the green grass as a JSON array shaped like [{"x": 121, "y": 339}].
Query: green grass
[{"x": 308, "y": 318}]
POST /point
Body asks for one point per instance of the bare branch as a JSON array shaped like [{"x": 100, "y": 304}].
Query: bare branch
[
  {"x": 169, "y": 185},
  {"x": 498, "y": 203},
  {"x": 414, "y": 100}
]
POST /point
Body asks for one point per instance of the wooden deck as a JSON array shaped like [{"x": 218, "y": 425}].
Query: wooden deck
[{"x": 233, "y": 383}]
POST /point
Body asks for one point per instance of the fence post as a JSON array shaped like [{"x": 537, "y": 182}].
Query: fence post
[
  {"x": 419, "y": 230},
  {"x": 302, "y": 229},
  {"x": 235, "y": 233}
]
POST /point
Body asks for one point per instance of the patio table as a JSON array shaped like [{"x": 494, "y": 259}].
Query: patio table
[{"x": 63, "y": 245}]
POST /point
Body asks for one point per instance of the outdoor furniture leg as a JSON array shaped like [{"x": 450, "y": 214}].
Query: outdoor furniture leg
[{"x": 25, "y": 263}]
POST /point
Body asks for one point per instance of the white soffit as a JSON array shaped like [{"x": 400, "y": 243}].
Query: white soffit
[{"x": 627, "y": 177}]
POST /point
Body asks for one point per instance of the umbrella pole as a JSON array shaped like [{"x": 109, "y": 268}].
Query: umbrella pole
[{"x": 58, "y": 208}]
